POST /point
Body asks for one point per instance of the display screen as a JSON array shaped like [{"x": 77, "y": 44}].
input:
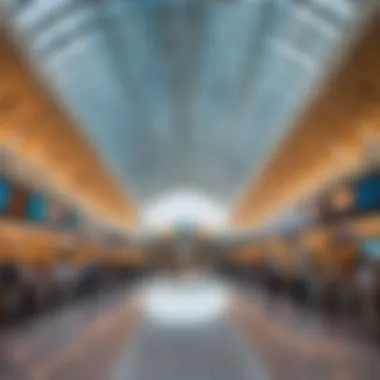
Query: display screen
[
  {"x": 367, "y": 192},
  {"x": 37, "y": 207},
  {"x": 5, "y": 195},
  {"x": 371, "y": 248}
]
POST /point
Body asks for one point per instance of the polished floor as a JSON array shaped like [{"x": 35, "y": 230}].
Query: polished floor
[
  {"x": 81, "y": 341},
  {"x": 107, "y": 338},
  {"x": 208, "y": 352},
  {"x": 299, "y": 345}
]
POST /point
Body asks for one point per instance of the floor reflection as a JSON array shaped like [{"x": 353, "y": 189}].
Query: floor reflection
[
  {"x": 109, "y": 337},
  {"x": 184, "y": 301}
]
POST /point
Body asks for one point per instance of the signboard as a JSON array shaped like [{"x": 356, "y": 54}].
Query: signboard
[
  {"x": 5, "y": 194},
  {"x": 37, "y": 207},
  {"x": 371, "y": 248},
  {"x": 367, "y": 192}
]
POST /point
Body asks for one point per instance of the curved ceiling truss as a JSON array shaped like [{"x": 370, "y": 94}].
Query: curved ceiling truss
[
  {"x": 190, "y": 94},
  {"x": 49, "y": 149},
  {"x": 331, "y": 139}
]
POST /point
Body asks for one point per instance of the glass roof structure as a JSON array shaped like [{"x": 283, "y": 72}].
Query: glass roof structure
[{"x": 183, "y": 93}]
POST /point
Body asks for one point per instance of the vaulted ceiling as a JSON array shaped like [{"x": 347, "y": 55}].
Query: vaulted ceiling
[
  {"x": 182, "y": 94},
  {"x": 40, "y": 146},
  {"x": 336, "y": 136}
]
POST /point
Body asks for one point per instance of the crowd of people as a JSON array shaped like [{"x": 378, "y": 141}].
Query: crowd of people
[
  {"x": 332, "y": 291},
  {"x": 27, "y": 290}
]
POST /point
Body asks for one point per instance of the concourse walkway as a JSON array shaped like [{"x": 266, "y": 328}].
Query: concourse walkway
[
  {"x": 82, "y": 340},
  {"x": 108, "y": 338},
  {"x": 187, "y": 333},
  {"x": 206, "y": 353}
]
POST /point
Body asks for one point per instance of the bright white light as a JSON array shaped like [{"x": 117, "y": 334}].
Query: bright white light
[
  {"x": 184, "y": 302},
  {"x": 185, "y": 206}
]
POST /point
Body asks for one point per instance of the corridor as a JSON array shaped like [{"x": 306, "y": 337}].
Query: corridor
[
  {"x": 106, "y": 337},
  {"x": 189, "y": 190}
]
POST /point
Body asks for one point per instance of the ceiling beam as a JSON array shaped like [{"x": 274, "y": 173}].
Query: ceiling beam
[
  {"x": 330, "y": 137},
  {"x": 35, "y": 128}
]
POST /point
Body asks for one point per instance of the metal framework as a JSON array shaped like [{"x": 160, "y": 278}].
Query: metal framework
[{"x": 185, "y": 93}]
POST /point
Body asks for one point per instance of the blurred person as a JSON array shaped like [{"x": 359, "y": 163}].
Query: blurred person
[
  {"x": 275, "y": 278},
  {"x": 376, "y": 297},
  {"x": 65, "y": 280},
  {"x": 346, "y": 288},
  {"x": 38, "y": 283},
  {"x": 365, "y": 281},
  {"x": 90, "y": 279},
  {"x": 10, "y": 297},
  {"x": 298, "y": 286},
  {"x": 301, "y": 286},
  {"x": 330, "y": 298}
]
